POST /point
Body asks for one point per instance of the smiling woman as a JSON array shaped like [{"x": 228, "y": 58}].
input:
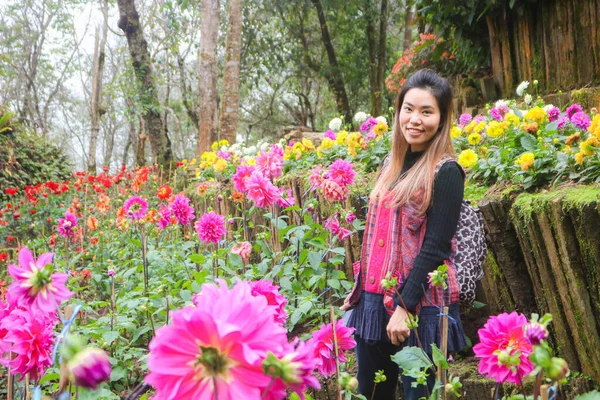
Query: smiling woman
[{"x": 412, "y": 219}]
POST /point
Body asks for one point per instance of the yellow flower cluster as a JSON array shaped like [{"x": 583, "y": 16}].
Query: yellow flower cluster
[
  {"x": 525, "y": 161},
  {"x": 306, "y": 146},
  {"x": 217, "y": 145},
  {"x": 594, "y": 128},
  {"x": 536, "y": 114},
  {"x": 326, "y": 143},
  {"x": 496, "y": 128},
  {"x": 512, "y": 119},
  {"x": 468, "y": 158},
  {"x": 587, "y": 148},
  {"x": 380, "y": 128},
  {"x": 354, "y": 141},
  {"x": 474, "y": 139},
  {"x": 475, "y": 126},
  {"x": 455, "y": 132}
]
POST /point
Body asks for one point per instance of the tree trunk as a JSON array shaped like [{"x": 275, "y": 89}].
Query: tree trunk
[
  {"x": 372, "y": 46},
  {"x": 231, "y": 78},
  {"x": 408, "y": 21},
  {"x": 129, "y": 22},
  {"x": 98, "y": 72},
  {"x": 379, "y": 87},
  {"x": 189, "y": 105},
  {"x": 335, "y": 77},
  {"x": 207, "y": 76}
]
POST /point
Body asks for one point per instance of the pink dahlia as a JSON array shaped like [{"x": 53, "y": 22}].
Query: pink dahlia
[
  {"x": 333, "y": 224},
  {"x": 274, "y": 299},
  {"x": 322, "y": 341},
  {"x": 181, "y": 209},
  {"x": 581, "y": 120},
  {"x": 286, "y": 198},
  {"x": 332, "y": 191},
  {"x": 330, "y": 134},
  {"x": 368, "y": 124},
  {"x": 464, "y": 120},
  {"x": 350, "y": 217},
  {"x": 341, "y": 172},
  {"x": 553, "y": 114},
  {"x": 269, "y": 164},
  {"x": 316, "y": 178},
  {"x": 30, "y": 336},
  {"x": 242, "y": 173},
  {"x": 35, "y": 285},
  {"x": 67, "y": 224},
  {"x": 573, "y": 109},
  {"x": 261, "y": 190},
  {"x": 135, "y": 207},
  {"x": 503, "y": 348},
  {"x": 216, "y": 347},
  {"x": 165, "y": 216},
  {"x": 302, "y": 362},
  {"x": 244, "y": 250},
  {"x": 211, "y": 227},
  {"x": 535, "y": 332},
  {"x": 89, "y": 368}
]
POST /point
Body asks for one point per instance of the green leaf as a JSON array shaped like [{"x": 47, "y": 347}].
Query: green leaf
[
  {"x": 438, "y": 357},
  {"x": 595, "y": 395},
  {"x": 110, "y": 336},
  {"x": 411, "y": 358},
  {"x": 334, "y": 283},
  {"x": 529, "y": 142},
  {"x": 139, "y": 332},
  {"x": 118, "y": 373},
  {"x": 197, "y": 258},
  {"x": 314, "y": 258}
]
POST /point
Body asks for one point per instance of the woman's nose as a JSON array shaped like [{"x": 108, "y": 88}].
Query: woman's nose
[{"x": 415, "y": 119}]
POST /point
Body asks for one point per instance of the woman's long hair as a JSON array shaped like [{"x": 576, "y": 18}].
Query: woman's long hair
[{"x": 416, "y": 185}]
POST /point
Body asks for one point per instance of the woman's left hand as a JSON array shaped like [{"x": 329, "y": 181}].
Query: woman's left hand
[{"x": 397, "y": 328}]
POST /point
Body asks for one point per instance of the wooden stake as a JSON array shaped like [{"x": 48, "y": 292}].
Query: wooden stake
[
  {"x": 27, "y": 392},
  {"x": 64, "y": 373},
  {"x": 11, "y": 385},
  {"x": 544, "y": 390},
  {"x": 336, "y": 349},
  {"x": 442, "y": 375}
]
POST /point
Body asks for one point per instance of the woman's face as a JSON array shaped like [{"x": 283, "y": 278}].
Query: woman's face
[{"x": 419, "y": 118}]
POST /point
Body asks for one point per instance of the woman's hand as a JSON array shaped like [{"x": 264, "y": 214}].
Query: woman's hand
[
  {"x": 346, "y": 305},
  {"x": 397, "y": 328}
]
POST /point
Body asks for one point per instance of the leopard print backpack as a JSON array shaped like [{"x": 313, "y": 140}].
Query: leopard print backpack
[{"x": 469, "y": 247}]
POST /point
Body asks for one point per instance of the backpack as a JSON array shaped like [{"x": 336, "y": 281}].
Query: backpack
[{"x": 470, "y": 247}]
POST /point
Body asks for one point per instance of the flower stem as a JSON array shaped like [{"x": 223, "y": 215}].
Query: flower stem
[
  {"x": 536, "y": 388},
  {"x": 336, "y": 350},
  {"x": 267, "y": 389},
  {"x": 496, "y": 391}
]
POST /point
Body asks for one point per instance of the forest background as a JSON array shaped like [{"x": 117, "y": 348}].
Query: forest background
[{"x": 130, "y": 82}]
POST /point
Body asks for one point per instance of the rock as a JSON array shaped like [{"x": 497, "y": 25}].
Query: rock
[{"x": 488, "y": 89}]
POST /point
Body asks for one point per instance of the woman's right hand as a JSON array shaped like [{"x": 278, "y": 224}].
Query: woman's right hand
[
  {"x": 397, "y": 328},
  {"x": 346, "y": 306}
]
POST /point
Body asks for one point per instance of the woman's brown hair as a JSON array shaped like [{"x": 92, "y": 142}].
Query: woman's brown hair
[{"x": 418, "y": 181}]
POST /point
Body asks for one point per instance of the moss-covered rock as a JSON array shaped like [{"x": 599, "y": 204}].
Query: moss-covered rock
[{"x": 26, "y": 158}]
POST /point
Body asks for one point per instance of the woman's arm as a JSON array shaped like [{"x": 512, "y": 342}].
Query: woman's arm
[{"x": 442, "y": 219}]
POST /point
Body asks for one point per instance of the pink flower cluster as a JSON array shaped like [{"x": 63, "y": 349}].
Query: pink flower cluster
[
  {"x": 211, "y": 227},
  {"x": 504, "y": 348},
  {"x": 333, "y": 224},
  {"x": 135, "y": 207},
  {"x": 220, "y": 344},
  {"x": 67, "y": 224},
  {"x": 323, "y": 344},
  {"x": 270, "y": 164},
  {"x": 333, "y": 183},
  {"x": 181, "y": 209},
  {"x": 28, "y": 318}
]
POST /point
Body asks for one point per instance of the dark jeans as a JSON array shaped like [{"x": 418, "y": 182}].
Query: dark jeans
[{"x": 375, "y": 356}]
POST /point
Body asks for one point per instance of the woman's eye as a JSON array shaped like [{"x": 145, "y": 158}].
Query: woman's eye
[{"x": 406, "y": 108}]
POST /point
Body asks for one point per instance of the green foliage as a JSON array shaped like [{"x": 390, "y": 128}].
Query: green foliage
[{"x": 27, "y": 159}]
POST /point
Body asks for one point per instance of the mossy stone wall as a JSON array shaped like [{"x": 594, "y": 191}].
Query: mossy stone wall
[{"x": 545, "y": 257}]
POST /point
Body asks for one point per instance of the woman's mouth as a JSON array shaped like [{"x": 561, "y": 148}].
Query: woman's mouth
[{"x": 414, "y": 131}]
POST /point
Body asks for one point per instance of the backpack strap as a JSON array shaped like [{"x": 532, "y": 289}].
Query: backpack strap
[{"x": 446, "y": 159}]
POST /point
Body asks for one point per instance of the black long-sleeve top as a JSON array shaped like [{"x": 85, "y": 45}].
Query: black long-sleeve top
[{"x": 442, "y": 220}]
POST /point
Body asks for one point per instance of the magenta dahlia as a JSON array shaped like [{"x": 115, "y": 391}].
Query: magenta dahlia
[
  {"x": 261, "y": 190},
  {"x": 181, "y": 209},
  {"x": 211, "y": 227},
  {"x": 135, "y": 207},
  {"x": 322, "y": 341},
  {"x": 67, "y": 224},
  {"x": 504, "y": 349}
]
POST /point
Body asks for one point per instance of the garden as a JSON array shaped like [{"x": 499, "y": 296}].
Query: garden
[
  {"x": 236, "y": 263},
  {"x": 184, "y": 194}
]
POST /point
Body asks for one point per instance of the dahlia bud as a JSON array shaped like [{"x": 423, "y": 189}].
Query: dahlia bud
[
  {"x": 558, "y": 369},
  {"x": 111, "y": 272},
  {"x": 219, "y": 198},
  {"x": 348, "y": 382},
  {"x": 89, "y": 368},
  {"x": 535, "y": 333},
  {"x": 350, "y": 217}
]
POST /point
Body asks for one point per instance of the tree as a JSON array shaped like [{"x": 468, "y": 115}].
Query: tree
[
  {"x": 98, "y": 71},
  {"x": 129, "y": 22},
  {"x": 207, "y": 75},
  {"x": 377, "y": 53},
  {"x": 231, "y": 78}
]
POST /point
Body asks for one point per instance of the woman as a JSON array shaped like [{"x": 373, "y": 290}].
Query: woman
[{"x": 412, "y": 219}]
